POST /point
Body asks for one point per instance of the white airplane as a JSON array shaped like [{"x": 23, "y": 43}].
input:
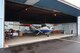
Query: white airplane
[{"x": 42, "y": 30}]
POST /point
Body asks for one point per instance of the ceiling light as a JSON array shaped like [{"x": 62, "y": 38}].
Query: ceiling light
[
  {"x": 31, "y": 2},
  {"x": 55, "y": 11},
  {"x": 26, "y": 9},
  {"x": 55, "y": 14}
]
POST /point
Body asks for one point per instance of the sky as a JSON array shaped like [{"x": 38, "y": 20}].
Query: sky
[{"x": 74, "y": 2}]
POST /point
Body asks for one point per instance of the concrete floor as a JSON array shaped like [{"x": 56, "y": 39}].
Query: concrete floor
[
  {"x": 51, "y": 46},
  {"x": 29, "y": 39}
]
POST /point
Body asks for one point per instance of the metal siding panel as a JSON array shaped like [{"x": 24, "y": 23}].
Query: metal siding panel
[
  {"x": 1, "y": 23},
  {"x": 54, "y": 4}
]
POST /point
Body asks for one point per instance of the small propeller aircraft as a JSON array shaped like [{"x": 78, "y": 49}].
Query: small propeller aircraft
[{"x": 42, "y": 30}]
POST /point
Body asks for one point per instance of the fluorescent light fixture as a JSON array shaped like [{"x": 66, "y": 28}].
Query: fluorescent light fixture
[
  {"x": 56, "y": 11},
  {"x": 31, "y": 2},
  {"x": 73, "y": 3}
]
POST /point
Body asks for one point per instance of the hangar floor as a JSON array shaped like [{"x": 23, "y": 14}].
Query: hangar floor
[{"x": 33, "y": 39}]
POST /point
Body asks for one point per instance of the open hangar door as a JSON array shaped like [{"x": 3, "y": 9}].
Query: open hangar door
[
  {"x": 17, "y": 14},
  {"x": 32, "y": 15}
]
